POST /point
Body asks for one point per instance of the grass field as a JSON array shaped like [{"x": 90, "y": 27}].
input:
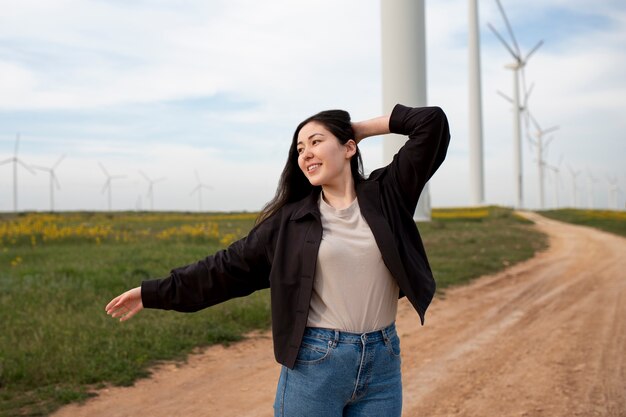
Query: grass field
[
  {"x": 58, "y": 271},
  {"x": 608, "y": 220}
]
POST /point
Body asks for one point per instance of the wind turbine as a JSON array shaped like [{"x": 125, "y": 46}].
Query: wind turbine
[
  {"x": 477, "y": 183},
  {"x": 574, "y": 176},
  {"x": 53, "y": 179},
  {"x": 557, "y": 180},
  {"x": 15, "y": 160},
  {"x": 107, "y": 184},
  {"x": 517, "y": 67},
  {"x": 613, "y": 190},
  {"x": 199, "y": 188},
  {"x": 539, "y": 134},
  {"x": 591, "y": 180},
  {"x": 150, "y": 193}
]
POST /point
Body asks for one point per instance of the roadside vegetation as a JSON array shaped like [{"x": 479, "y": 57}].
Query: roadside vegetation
[
  {"x": 58, "y": 271},
  {"x": 612, "y": 221}
]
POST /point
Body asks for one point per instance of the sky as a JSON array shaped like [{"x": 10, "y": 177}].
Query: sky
[{"x": 210, "y": 91}]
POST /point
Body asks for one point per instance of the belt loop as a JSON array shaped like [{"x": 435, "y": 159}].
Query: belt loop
[
  {"x": 385, "y": 335},
  {"x": 336, "y": 340}
]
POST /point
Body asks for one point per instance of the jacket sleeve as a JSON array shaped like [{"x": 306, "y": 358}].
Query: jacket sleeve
[
  {"x": 237, "y": 271},
  {"x": 421, "y": 155}
]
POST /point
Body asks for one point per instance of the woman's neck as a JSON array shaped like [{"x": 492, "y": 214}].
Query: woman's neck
[{"x": 339, "y": 195}]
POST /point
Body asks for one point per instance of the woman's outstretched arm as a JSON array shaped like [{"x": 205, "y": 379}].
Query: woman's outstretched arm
[{"x": 125, "y": 305}]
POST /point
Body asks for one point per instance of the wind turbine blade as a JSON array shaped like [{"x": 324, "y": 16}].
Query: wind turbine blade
[
  {"x": 6, "y": 161},
  {"x": 56, "y": 181},
  {"x": 551, "y": 129},
  {"x": 528, "y": 93},
  {"x": 508, "y": 26},
  {"x": 503, "y": 41},
  {"x": 195, "y": 189},
  {"x": 103, "y": 169},
  {"x": 532, "y": 119},
  {"x": 107, "y": 184},
  {"x": 504, "y": 96},
  {"x": 26, "y": 166},
  {"x": 532, "y": 51},
  {"x": 145, "y": 176},
  {"x": 197, "y": 176},
  {"x": 58, "y": 161}
]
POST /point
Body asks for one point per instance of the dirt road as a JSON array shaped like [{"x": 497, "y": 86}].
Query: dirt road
[{"x": 544, "y": 338}]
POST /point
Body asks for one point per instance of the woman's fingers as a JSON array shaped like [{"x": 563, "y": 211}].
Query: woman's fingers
[
  {"x": 125, "y": 305},
  {"x": 112, "y": 303}
]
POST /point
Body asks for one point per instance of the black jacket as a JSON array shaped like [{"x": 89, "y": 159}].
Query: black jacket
[{"x": 281, "y": 252}]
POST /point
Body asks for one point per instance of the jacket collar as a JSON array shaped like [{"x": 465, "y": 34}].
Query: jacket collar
[
  {"x": 308, "y": 205},
  {"x": 366, "y": 191}
]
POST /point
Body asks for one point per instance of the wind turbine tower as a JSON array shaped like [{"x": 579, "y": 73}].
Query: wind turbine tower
[
  {"x": 591, "y": 180},
  {"x": 557, "y": 180},
  {"x": 477, "y": 182},
  {"x": 613, "y": 191},
  {"x": 150, "y": 193},
  {"x": 198, "y": 189},
  {"x": 15, "y": 161},
  {"x": 107, "y": 184},
  {"x": 518, "y": 72},
  {"x": 53, "y": 179},
  {"x": 403, "y": 41},
  {"x": 541, "y": 146},
  {"x": 574, "y": 176}
]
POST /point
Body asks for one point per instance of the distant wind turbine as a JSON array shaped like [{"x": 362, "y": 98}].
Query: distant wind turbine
[
  {"x": 15, "y": 160},
  {"x": 613, "y": 191},
  {"x": 198, "y": 189},
  {"x": 574, "y": 175},
  {"x": 107, "y": 184},
  {"x": 591, "y": 180},
  {"x": 53, "y": 179},
  {"x": 557, "y": 180},
  {"x": 541, "y": 146},
  {"x": 150, "y": 193},
  {"x": 518, "y": 70}
]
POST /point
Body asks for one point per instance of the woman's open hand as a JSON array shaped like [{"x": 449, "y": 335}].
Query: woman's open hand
[{"x": 125, "y": 305}]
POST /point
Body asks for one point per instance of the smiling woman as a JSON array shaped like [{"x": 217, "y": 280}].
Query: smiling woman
[{"x": 337, "y": 251}]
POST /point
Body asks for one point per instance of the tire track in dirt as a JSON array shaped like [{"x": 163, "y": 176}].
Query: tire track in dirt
[{"x": 546, "y": 337}]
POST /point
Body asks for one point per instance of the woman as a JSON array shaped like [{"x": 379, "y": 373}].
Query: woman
[{"x": 336, "y": 251}]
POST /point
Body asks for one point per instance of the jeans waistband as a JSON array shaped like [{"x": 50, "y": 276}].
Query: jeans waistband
[{"x": 339, "y": 336}]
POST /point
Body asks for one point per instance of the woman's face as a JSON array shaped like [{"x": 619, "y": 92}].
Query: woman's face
[{"x": 321, "y": 157}]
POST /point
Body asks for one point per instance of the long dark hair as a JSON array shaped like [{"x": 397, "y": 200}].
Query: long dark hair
[{"x": 293, "y": 184}]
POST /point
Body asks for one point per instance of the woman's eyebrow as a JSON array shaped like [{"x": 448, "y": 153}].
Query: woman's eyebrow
[{"x": 309, "y": 138}]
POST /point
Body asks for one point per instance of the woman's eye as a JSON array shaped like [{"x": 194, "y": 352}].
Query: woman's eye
[{"x": 300, "y": 151}]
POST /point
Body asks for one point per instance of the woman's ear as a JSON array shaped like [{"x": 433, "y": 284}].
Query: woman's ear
[{"x": 350, "y": 148}]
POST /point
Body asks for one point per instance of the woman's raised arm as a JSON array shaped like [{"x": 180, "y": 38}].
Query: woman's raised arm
[{"x": 371, "y": 127}]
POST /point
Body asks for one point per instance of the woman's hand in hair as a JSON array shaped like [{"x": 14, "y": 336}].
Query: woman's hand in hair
[
  {"x": 371, "y": 127},
  {"x": 125, "y": 305}
]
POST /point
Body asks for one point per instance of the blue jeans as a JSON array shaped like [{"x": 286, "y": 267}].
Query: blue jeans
[{"x": 341, "y": 374}]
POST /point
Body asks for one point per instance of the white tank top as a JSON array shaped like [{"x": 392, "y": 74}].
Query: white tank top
[{"x": 353, "y": 290}]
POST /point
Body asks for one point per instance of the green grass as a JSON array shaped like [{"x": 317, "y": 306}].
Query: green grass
[
  {"x": 608, "y": 220},
  {"x": 57, "y": 345}
]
